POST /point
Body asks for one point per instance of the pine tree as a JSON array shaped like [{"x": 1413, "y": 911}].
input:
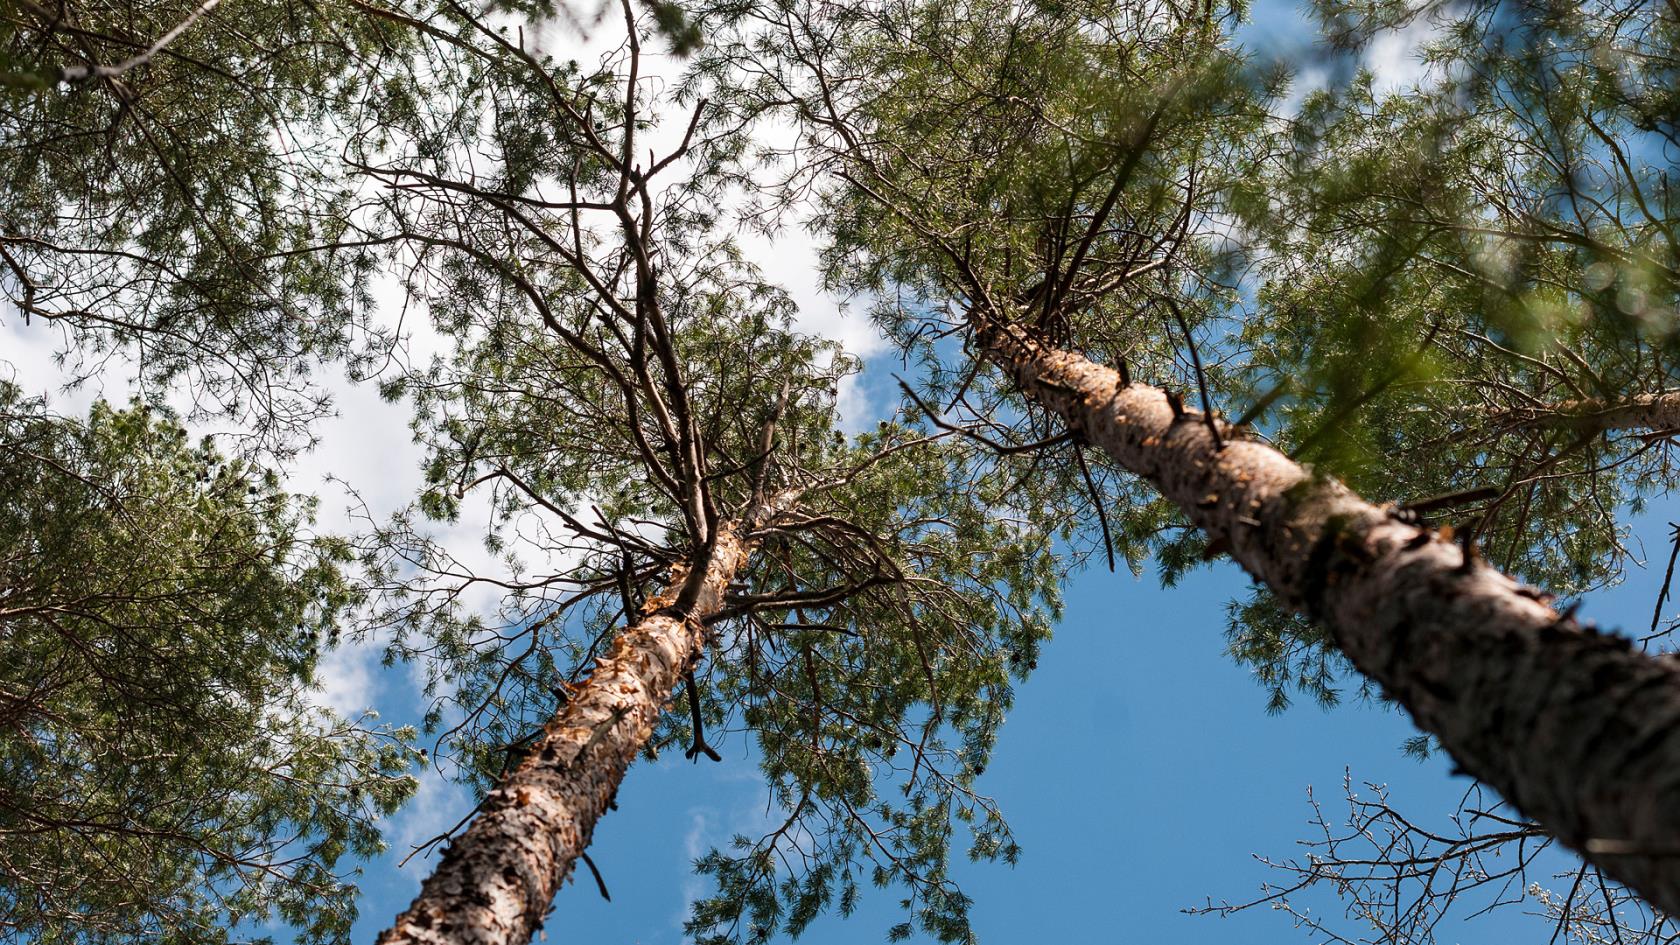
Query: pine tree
[
  {"x": 165, "y": 773},
  {"x": 630, "y": 394},
  {"x": 1049, "y": 176},
  {"x": 1490, "y": 256}
]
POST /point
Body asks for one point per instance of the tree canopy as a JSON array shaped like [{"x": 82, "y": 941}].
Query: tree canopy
[
  {"x": 175, "y": 198},
  {"x": 165, "y": 771},
  {"x": 627, "y": 388}
]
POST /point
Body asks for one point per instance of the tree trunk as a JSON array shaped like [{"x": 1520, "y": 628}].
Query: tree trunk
[
  {"x": 1577, "y": 729},
  {"x": 495, "y": 882},
  {"x": 1656, "y": 413}
]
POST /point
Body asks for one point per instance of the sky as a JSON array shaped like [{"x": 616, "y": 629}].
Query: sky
[{"x": 1139, "y": 770}]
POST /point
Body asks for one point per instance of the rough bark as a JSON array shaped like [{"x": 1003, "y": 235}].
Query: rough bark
[
  {"x": 494, "y": 883},
  {"x": 1576, "y": 728},
  {"x": 1656, "y": 413}
]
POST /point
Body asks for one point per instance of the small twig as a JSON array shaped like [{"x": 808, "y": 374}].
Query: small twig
[
  {"x": 1569, "y": 901},
  {"x": 1201, "y": 376},
  {"x": 627, "y": 598},
  {"x": 1266, "y": 400},
  {"x": 468, "y": 452},
  {"x": 600, "y": 883},
  {"x": 1668, "y": 578},
  {"x": 700, "y": 746},
  {"x": 1096, "y": 499},
  {"x": 1058, "y": 386},
  {"x": 426, "y": 846},
  {"x": 1568, "y": 613},
  {"x": 1467, "y": 541},
  {"x": 1449, "y": 499},
  {"x": 513, "y": 746},
  {"x": 601, "y": 729},
  {"x": 949, "y": 427}
]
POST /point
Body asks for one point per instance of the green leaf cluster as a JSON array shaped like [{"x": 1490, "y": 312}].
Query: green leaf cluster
[
  {"x": 193, "y": 211},
  {"x": 165, "y": 772}
]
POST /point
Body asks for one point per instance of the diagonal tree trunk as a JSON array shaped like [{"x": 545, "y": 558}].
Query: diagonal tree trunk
[
  {"x": 1577, "y": 729},
  {"x": 495, "y": 882},
  {"x": 1656, "y": 413}
]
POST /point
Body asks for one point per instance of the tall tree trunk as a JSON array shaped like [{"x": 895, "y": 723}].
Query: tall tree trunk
[
  {"x": 495, "y": 882},
  {"x": 1577, "y": 729},
  {"x": 1657, "y": 413}
]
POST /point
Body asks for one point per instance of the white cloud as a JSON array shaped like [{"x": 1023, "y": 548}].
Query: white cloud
[
  {"x": 701, "y": 826},
  {"x": 437, "y": 806},
  {"x": 1395, "y": 57},
  {"x": 29, "y": 357},
  {"x": 346, "y": 677},
  {"x": 1302, "y": 84},
  {"x": 753, "y": 814},
  {"x": 789, "y": 257},
  {"x": 367, "y": 445}
]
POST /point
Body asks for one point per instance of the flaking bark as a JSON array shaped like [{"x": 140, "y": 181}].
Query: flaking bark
[
  {"x": 494, "y": 883},
  {"x": 1577, "y": 729}
]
